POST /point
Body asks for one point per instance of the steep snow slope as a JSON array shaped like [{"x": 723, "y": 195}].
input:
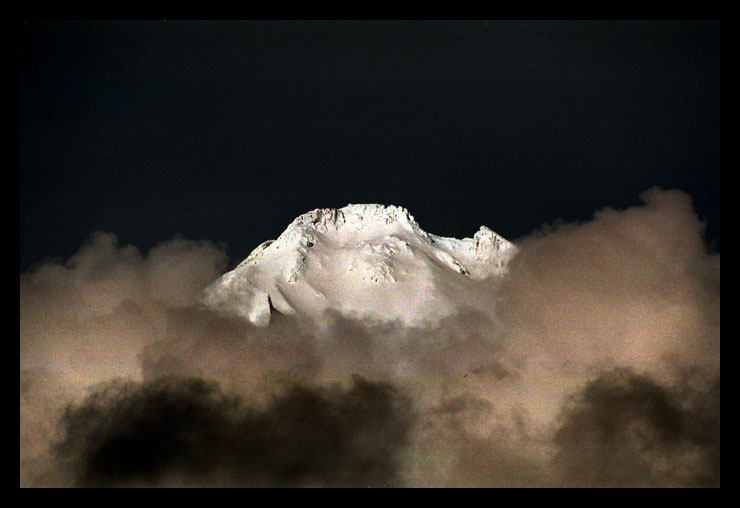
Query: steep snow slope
[{"x": 361, "y": 260}]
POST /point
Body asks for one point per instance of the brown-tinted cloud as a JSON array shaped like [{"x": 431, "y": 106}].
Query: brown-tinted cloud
[
  {"x": 627, "y": 430},
  {"x": 188, "y": 432},
  {"x": 631, "y": 287},
  {"x": 603, "y": 332}
]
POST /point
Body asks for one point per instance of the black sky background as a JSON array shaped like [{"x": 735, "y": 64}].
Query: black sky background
[{"x": 228, "y": 130}]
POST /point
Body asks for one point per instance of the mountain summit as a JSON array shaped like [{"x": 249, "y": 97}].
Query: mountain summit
[{"x": 369, "y": 261}]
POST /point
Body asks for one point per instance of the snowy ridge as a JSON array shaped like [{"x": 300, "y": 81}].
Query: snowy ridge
[{"x": 364, "y": 260}]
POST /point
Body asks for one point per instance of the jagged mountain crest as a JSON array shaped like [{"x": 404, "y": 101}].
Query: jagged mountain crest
[{"x": 366, "y": 260}]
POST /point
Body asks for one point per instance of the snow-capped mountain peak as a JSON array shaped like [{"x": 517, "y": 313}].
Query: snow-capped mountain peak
[{"x": 364, "y": 260}]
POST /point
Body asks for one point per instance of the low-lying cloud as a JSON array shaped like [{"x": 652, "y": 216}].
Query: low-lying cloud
[
  {"x": 594, "y": 362},
  {"x": 188, "y": 432}
]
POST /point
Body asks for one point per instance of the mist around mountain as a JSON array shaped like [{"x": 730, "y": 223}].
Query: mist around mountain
[{"x": 588, "y": 358}]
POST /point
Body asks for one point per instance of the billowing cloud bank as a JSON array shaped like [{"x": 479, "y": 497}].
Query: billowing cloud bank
[{"x": 595, "y": 362}]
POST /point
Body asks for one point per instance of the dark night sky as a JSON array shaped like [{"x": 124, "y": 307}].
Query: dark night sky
[{"x": 229, "y": 130}]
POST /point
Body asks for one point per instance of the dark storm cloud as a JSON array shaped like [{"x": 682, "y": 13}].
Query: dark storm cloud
[
  {"x": 625, "y": 429},
  {"x": 188, "y": 432},
  {"x": 600, "y": 346}
]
